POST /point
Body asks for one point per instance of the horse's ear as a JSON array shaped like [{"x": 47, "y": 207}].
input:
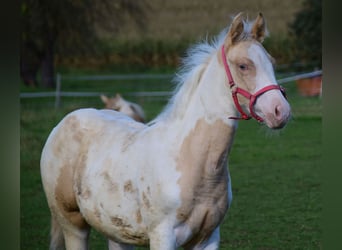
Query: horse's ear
[
  {"x": 235, "y": 31},
  {"x": 104, "y": 99},
  {"x": 259, "y": 28}
]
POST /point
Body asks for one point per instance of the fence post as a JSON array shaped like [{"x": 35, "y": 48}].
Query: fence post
[{"x": 58, "y": 91}]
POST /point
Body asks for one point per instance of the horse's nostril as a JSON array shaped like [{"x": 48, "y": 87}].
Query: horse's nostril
[{"x": 277, "y": 112}]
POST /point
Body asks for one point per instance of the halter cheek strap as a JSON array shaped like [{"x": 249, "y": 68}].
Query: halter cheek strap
[{"x": 251, "y": 97}]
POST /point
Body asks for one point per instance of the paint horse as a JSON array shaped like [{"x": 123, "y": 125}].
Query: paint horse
[
  {"x": 165, "y": 184},
  {"x": 119, "y": 104}
]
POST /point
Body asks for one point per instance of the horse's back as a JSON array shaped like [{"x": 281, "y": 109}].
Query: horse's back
[
  {"x": 77, "y": 137},
  {"x": 84, "y": 127},
  {"x": 94, "y": 119}
]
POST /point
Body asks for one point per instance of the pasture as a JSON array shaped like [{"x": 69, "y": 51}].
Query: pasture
[{"x": 276, "y": 175}]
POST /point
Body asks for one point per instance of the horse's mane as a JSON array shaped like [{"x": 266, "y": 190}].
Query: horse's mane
[{"x": 192, "y": 66}]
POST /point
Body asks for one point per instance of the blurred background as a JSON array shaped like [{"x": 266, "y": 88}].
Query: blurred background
[{"x": 125, "y": 36}]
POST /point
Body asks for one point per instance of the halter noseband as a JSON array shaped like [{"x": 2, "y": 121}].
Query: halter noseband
[{"x": 251, "y": 97}]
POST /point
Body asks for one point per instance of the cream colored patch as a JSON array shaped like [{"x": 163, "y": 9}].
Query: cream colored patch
[
  {"x": 204, "y": 177},
  {"x": 64, "y": 192},
  {"x": 238, "y": 55},
  {"x": 253, "y": 66},
  {"x": 66, "y": 200}
]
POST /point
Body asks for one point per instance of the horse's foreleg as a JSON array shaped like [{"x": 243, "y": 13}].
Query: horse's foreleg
[
  {"x": 212, "y": 243},
  {"x": 162, "y": 237},
  {"x": 116, "y": 246}
]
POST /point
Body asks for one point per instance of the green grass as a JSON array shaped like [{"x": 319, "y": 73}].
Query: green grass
[
  {"x": 276, "y": 187},
  {"x": 276, "y": 177}
]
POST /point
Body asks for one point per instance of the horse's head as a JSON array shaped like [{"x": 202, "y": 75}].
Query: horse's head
[
  {"x": 114, "y": 103},
  {"x": 250, "y": 73}
]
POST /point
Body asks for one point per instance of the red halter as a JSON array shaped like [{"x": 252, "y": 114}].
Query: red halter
[{"x": 252, "y": 98}]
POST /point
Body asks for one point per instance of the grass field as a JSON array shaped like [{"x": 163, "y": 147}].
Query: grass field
[{"x": 276, "y": 177}]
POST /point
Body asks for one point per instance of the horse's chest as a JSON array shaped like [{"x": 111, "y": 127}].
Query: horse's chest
[
  {"x": 205, "y": 200},
  {"x": 201, "y": 220}
]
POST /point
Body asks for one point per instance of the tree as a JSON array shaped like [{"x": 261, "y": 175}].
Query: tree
[
  {"x": 67, "y": 27},
  {"x": 306, "y": 30}
]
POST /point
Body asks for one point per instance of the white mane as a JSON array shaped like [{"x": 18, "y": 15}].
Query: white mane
[{"x": 189, "y": 74}]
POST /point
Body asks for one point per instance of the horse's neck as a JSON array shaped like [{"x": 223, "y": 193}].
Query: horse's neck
[
  {"x": 203, "y": 126},
  {"x": 205, "y": 94},
  {"x": 214, "y": 94}
]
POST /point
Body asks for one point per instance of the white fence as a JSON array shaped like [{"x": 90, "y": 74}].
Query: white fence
[{"x": 58, "y": 93}]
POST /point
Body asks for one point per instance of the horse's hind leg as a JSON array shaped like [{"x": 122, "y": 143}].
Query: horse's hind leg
[
  {"x": 56, "y": 234},
  {"x": 67, "y": 235},
  {"x": 116, "y": 246}
]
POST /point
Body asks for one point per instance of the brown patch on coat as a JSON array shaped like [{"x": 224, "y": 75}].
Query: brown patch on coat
[
  {"x": 127, "y": 232},
  {"x": 113, "y": 187},
  {"x": 118, "y": 222},
  {"x": 135, "y": 238},
  {"x": 138, "y": 216},
  {"x": 128, "y": 187},
  {"x": 146, "y": 201},
  {"x": 66, "y": 199},
  {"x": 64, "y": 191},
  {"x": 97, "y": 214},
  {"x": 79, "y": 171},
  {"x": 204, "y": 177}
]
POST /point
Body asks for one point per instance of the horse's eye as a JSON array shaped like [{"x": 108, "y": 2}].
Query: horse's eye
[{"x": 243, "y": 66}]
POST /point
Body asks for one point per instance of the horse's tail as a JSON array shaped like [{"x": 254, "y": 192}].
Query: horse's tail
[{"x": 56, "y": 234}]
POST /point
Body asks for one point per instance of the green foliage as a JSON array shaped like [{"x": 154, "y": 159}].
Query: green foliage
[
  {"x": 306, "y": 32},
  {"x": 74, "y": 25},
  {"x": 66, "y": 27},
  {"x": 118, "y": 56},
  {"x": 147, "y": 54}
]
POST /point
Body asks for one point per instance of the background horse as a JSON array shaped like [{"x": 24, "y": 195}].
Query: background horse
[
  {"x": 165, "y": 184},
  {"x": 119, "y": 104}
]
